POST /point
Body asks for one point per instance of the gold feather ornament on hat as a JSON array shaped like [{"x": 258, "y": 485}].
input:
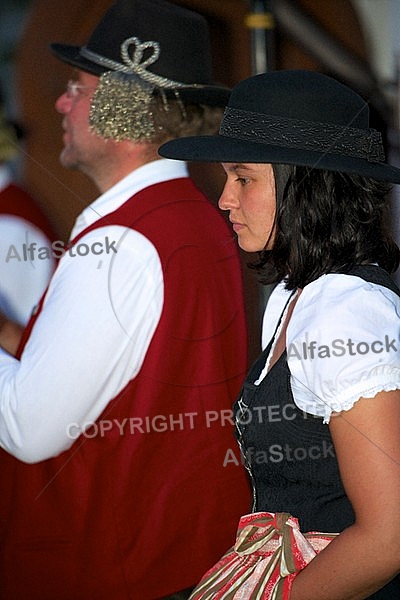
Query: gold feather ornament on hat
[{"x": 120, "y": 108}]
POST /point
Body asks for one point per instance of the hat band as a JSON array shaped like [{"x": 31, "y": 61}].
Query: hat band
[
  {"x": 134, "y": 65},
  {"x": 303, "y": 135}
]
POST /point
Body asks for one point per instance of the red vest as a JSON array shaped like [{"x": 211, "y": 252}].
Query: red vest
[{"x": 144, "y": 503}]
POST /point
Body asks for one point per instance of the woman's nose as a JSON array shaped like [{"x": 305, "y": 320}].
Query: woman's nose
[{"x": 227, "y": 200}]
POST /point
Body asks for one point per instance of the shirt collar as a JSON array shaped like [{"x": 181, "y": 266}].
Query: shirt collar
[{"x": 146, "y": 175}]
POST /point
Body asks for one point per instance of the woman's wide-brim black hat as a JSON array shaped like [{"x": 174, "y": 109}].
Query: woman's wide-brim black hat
[
  {"x": 293, "y": 117},
  {"x": 163, "y": 44}
]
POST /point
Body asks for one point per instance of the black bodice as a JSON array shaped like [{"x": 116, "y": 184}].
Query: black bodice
[{"x": 289, "y": 454}]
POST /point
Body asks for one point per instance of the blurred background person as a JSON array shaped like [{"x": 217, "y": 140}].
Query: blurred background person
[{"x": 23, "y": 275}]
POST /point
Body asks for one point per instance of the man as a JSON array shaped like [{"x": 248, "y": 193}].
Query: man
[{"x": 117, "y": 470}]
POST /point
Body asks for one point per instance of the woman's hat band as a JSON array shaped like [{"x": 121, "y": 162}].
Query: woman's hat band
[{"x": 303, "y": 135}]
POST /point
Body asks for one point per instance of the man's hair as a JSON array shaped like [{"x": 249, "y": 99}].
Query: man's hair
[
  {"x": 326, "y": 222},
  {"x": 173, "y": 119}
]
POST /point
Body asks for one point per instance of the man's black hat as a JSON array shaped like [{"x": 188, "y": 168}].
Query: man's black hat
[
  {"x": 165, "y": 45},
  {"x": 293, "y": 117}
]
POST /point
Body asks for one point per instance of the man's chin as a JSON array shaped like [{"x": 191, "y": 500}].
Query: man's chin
[{"x": 67, "y": 161}]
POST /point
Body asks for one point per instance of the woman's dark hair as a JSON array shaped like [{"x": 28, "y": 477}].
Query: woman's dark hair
[{"x": 326, "y": 222}]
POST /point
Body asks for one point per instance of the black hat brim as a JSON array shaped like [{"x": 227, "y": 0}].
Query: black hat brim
[
  {"x": 71, "y": 55},
  {"x": 210, "y": 95},
  {"x": 224, "y": 149}
]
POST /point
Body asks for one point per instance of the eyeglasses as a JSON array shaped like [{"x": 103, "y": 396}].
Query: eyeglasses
[{"x": 75, "y": 89}]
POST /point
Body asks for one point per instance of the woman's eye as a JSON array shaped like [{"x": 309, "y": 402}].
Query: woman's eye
[{"x": 243, "y": 180}]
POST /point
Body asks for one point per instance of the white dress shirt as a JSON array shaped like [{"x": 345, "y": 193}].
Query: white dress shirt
[{"x": 98, "y": 318}]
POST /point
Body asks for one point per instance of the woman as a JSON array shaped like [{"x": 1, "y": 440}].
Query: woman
[{"x": 318, "y": 419}]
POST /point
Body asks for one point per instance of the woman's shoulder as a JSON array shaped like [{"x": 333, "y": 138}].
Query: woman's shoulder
[
  {"x": 337, "y": 292},
  {"x": 343, "y": 343}
]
